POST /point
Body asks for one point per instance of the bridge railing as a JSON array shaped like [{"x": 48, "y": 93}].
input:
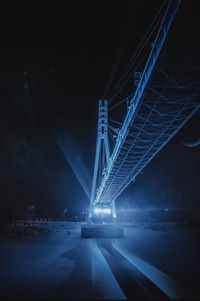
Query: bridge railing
[{"x": 139, "y": 94}]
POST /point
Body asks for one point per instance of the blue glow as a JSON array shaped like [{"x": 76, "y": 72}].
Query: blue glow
[
  {"x": 73, "y": 158},
  {"x": 167, "y": 284},
  {"x": 102, "y": 210}
]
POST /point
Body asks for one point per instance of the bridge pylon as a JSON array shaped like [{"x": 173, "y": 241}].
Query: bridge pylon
[{"x": 102, "y": 158}]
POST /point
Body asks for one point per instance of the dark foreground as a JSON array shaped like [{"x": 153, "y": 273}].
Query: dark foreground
[{"x": 144, "y": 265}]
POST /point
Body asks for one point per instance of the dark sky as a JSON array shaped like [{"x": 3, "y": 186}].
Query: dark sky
[{"x": 55, "y": 61}]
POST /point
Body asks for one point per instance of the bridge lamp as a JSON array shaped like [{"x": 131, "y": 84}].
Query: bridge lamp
[
  {"x": 105, "y": 211},
  {"x": 96, "y": 210}
]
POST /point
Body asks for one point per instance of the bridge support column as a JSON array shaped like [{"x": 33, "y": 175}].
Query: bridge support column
[{"x": 102, "y": 152}]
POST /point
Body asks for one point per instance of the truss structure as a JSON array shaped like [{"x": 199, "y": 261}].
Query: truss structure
[{"x": 162, "y": 104}]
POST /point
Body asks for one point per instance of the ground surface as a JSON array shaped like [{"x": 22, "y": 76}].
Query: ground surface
[{"x": 145, "y": 264}]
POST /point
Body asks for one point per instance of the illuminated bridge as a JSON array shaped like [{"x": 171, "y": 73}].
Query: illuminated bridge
[{"x": 166, "y": 96}]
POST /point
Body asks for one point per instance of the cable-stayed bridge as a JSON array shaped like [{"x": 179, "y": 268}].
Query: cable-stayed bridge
[{"x": 166, "y": 97}]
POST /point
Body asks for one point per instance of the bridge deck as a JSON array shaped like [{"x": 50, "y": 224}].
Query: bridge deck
[{"x": 167, "y": 97}]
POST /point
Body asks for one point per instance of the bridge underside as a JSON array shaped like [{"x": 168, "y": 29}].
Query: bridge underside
[
  {"x": 171, "y": 98},
  {"x": 166, "y": 107}
]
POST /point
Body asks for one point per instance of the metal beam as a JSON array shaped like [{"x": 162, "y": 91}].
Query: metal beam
[{"x": 139, "y": 94}]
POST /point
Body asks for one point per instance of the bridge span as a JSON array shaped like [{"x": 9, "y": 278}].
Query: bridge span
[{"x": 166, "y": 97}]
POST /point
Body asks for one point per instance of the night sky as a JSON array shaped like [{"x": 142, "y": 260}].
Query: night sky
[{"x": 55, "y": 63}]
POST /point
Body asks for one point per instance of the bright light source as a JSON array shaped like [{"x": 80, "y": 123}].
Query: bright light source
[{"x": 98, "y": 210}]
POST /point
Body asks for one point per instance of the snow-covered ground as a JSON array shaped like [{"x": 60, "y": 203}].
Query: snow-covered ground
[{"x": 58, "y": 263}]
